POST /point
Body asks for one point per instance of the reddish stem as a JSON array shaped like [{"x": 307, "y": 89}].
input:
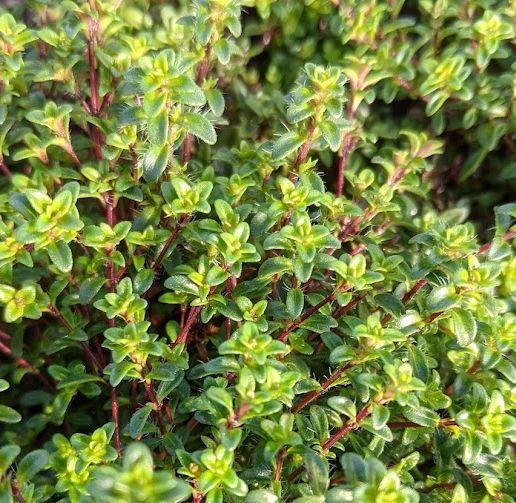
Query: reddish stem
[
  {"x": 237, "y": 416},
  {"x": 349, "y": 426},
  {"x": 5, "y": 170},
  {"x": 396, "y": 177},
  {"x": 106, "y": 101},
  {"x": 295, "y": 474},
  {"x": 57, "y": 314},
  {"x": 351, "y": 227},
  {"x": 342, "y": 310},
  {"x": 91, "y": 358},
  {"x": 94, "y": 86},
  {"x": 230, "y": 284},
  {"x": 420, "y": 284},
  {"x": 474, "y": 368},
  {"x": 110, "y": 209},
  {"x": 190, "y": 320},
  {"x": 187, "y": 148},
  {"x": 112, "y": 283},
  {"x": 337, "y": 480},
  {"x": 197, "y": 497},
  {"x": 406, "y": 298},
  {"x": 359, "y": 248},
  {"x": 304, "y": 150},
  {"x": 348, "y": 144},
  {"x": 181, "y": 223},
  {"x": 114, "y": 416},
  {"x": 434, "y": 316},
  {"x": 280, "y": 457},
  {"x": 337, "y": 313},
  {"x": 16, "y": 492},
  {"x": 191, "y": 424},
  {"x": 25, "y": 364},
  {"x": 284, "y": 334},
  {"x": 334, "y": 377},
  {"x": 98, "y": 349},
  {"x": 506, "y": 237},
  {"x": 90, "y": 53},
  {"x": 112, "y": 278},
  {"x": 313, "y": 395}
]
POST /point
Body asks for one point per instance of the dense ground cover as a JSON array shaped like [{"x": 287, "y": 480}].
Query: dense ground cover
[{"x": 257, "y": 251}]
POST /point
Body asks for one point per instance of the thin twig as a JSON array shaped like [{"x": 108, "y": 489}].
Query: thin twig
[
  {"x": 406, "y": 298},
  {"x": 284, "y": 334},
  {"x": 234, "y": 420},
  {"x": 349, "y": 426},
  {"x": 114, "y": 416},
  {"x": 313, "y": 395},
  {"x": 25, "y": 364},
  {"x": 304, "y": 149},
  {"x": 506, "y": 237},
  {"x": 181, "y": 223},
  {"x": 348, "y": 145},
  {"x": 280, "y": 457},
  {"x": 190, "y": 320},
  {"x": 5, "y": 170}
]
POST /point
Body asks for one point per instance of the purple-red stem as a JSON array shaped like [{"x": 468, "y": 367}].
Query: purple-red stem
[
  {"x": 181, "y": 222},
  {"x": 25, "y": 364},
  {"x": 5, "y": 170},
  {"x": 280, "y": 457},
  {"x": 349, "y": 426},
  {"x": 189, "y": 322},
  {"x": 230, "y": 284},
  {"x": 114, "y": 416},
  {"x": 304, "y": 149},
  {"x": 341, "y": 432},
  {"x": 234, "y": 420},
  {"x": 348, "y": 144},
  {"x": 506, "y": 237},
  {"x": 341, "y": 311},
  {"x": 109, "y": 207},
  {"x": 313, "y": 395},
  {"x": 406, "y": 298},
  {"x": 309, "y": 312}
]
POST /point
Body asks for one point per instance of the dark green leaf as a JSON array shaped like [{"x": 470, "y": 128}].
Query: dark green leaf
[
  {"x": 138, "y": 420},
  {"x": 317, "y": 471},
  {"x": 199, "y": 126}
]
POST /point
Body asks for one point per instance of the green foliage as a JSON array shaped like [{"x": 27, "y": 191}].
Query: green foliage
[{"x": 257, "y": 251}]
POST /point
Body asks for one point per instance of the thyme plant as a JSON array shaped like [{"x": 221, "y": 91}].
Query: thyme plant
[{"x": 257, "y": 251}]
